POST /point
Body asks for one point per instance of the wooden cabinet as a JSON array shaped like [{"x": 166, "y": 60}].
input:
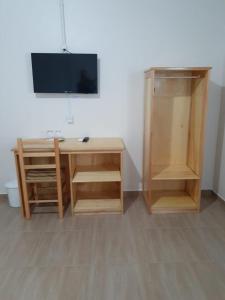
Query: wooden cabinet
[
  {"x": 96, "y": 182},
  {"x": 175, "y": 109}
]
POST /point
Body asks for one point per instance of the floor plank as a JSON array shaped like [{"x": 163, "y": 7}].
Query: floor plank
[{"x": 131, "y": 256}]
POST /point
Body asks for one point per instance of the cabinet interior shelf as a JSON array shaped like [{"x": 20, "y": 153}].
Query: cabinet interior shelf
[
  {"x": 172, "y": 200},
  {"x": 172, "y": 172},
  {"x": 97, "y": 176},
  {"x": 87, "y": 206}
]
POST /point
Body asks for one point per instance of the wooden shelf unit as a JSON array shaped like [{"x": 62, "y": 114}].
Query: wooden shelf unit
[
  {"x": 175, "y": 109},
  {"x": 96, "y": 182}
]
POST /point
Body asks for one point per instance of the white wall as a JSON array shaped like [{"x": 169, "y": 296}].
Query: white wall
[
  {"x": 219, "y": 174},
  {"x": 221, "y": 187},
  {"x": 129, "y": 36}
]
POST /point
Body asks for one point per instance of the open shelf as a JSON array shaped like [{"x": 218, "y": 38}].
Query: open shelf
[
  {"x": 172, "y": 201},
  {"x": 172, "y": 172},
  {"x": 87, "y": 206},
  {"x": 96, "y": 182},
  {"x": 97, "y": 176}
]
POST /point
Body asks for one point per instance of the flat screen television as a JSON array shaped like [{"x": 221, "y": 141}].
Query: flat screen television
[{"x": 65, "y": 73}]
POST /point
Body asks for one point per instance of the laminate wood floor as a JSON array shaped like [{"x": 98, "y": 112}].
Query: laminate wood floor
[{"x": 136, "y": 256}]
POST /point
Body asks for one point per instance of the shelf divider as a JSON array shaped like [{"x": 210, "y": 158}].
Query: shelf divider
[
  {"x": 97, "y": 176},
  {"x": 98, "y": 206},
  {"x": 172, "y": 200},
  {"x": 173, "y": 172}
]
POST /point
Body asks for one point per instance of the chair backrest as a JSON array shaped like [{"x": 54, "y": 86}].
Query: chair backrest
[{"x": 38, "y": 154}]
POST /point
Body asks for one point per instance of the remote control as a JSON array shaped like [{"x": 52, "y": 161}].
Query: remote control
[{"x": 85, "y": 139}]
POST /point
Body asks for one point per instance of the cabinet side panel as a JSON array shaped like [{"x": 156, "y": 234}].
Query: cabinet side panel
[
  {"x": 147, "y": 137},
  {"x": 193, "y": 189},
  {"x": 197, "y": 124}
]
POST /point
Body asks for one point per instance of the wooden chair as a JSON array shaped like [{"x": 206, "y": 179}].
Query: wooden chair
[{"x": 40, "y": 166}]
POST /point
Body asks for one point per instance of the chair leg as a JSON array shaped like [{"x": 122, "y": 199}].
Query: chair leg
[
  {"x": 60, "y": 200},
  {"x": 61, "y": 212},
  {"x": 60, "y": 206},
  {"x": 26, "y": 202}
]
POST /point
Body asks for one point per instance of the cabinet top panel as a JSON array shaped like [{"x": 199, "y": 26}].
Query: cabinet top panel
[
  {"x": 178, "y": 69},
  {"x": 94, "y": 144}
]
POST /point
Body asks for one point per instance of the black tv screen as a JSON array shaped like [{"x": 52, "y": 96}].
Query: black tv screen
[{"x": 65, "y": 73}]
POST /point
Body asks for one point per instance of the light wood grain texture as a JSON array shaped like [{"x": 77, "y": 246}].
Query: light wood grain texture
[
  {"x": 39, "y": 154},
  {"x": 175, "y": 109},
  {"x": 98, "y": 190},
  {"x": 121, "y": 182},
  {"x": 171, "y": 172},
  {"x": 33, "y": 173},
  {"x": 58, "y": 178},
  {"x": 99, "y": 160},
  {"x": 43, "y": 201},
  {"x": 94, "y": 144},
  {"x": 197, "y": 120},
  {"x": 35, "y": 167},
  {"x": 147, "y": 136},
  {"x": 99, "y": 176},
  {"x": 97, "y": 206},
  {"x": 41, "y": 179},
  {"x": 23, "y": 180},
  {"x": 72, "y": 187},
  {"x": 19, "y": 180},
  {"x": 193, "y": 188},
  {"x": 160, "y": 185},
  {"x": 170, "y": 127},
  {"x": 148, "y": 71},
  {"x": 172, "y": 200},
  {"x": 96, "y": 175},
  {"x": 72, "y": 145}
]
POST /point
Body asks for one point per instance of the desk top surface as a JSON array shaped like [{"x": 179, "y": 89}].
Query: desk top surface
[
  {"x": 94, "y": 144},
  {"x": 71, "y": 145}
]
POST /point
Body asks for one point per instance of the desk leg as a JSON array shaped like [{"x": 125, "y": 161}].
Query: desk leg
[
  {"x": 121, "y": 183},
  {"x": 71, "y": 183},
  {"x": 22, "y": 209}
]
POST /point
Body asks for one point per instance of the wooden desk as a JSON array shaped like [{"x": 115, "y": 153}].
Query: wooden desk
[{"x": 94, "y": 174}]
